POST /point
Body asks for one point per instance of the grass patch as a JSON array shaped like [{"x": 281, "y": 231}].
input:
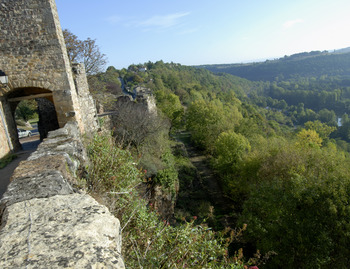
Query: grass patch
[
  {"x": 34, "y": 120},
  {"x": 7, "y": 159}
]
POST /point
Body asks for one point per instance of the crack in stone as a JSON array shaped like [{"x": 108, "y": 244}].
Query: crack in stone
[{"x": 29, "y": 233}]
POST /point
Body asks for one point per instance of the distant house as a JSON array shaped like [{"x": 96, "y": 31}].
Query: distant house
[{"x": 142, "y": 69}]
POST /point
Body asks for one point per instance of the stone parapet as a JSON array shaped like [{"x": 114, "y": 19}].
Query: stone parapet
[{"x": 46, "y": 222}]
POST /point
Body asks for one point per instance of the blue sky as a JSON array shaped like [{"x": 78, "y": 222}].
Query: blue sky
[{"x": 193, "y": 32}]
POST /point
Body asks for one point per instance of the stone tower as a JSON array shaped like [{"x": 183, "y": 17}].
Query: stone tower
[{"x": 34, "y": 58}]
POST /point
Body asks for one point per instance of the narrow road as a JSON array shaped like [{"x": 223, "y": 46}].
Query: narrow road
[
  {"x": 29, "y": 145},
  {"x": 124, "y": 89}
]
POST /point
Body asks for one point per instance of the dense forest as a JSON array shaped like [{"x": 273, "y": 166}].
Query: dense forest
[{"x": 277, "y": 148}]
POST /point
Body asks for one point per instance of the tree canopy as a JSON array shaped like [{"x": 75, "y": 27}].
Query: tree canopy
[{"x": 86, "y": 51}]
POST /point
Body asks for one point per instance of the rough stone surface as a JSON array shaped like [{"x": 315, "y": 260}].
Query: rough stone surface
[
  {"x": 34, "y": 167},
  {"x": 87, "y": 104},
  {"x": 163, "y": 202},
  {"x": 45, "y": 222},
  {"x": 42, "y": 185},
  {"x": 62, "y": 143},
  {"x": 72, "y": 231}
]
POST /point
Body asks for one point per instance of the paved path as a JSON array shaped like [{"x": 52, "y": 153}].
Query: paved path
[{"x": 29, "y": 144}]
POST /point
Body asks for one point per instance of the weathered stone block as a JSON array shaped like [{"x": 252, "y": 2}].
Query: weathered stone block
[
  {"x": 44, "y": 184},
  {"x": 71, "y": 231},
  {"x": 34, "y": 167},
  {"x": 64, "y": 142}
]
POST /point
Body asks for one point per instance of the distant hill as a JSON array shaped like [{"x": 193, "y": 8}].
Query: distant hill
[
  {"x": 345, "y": 50},
  {"x": 306, "y": 64}
]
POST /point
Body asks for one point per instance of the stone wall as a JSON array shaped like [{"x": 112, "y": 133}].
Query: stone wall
[
  {"x": 5, "y": 143},
  {"x": 33, "y": 55},
  {"x": 33, "y": 51},
  {"x": 86, "y": 102},
  {"x": 10, "y": 127},
  {"x": 46, "y": 222}
]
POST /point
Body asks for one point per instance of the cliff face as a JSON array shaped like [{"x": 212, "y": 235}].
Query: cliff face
[{"x": 46, "y": 222}]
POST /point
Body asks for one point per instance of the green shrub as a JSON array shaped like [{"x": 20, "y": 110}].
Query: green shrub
[
  {"x": 147, "y": 241},
  {"x": 168, "y": 177},
  {"x": 111, "y": 168}
]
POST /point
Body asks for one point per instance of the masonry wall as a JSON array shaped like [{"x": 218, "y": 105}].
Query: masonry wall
[
  {"x": 33, "y": 53},
  {"x": 47, "y": 223},
  {"x": 86, "y": 102},
  {"x": 10, "y": 125},
  {"x": 4, "y": 141}
]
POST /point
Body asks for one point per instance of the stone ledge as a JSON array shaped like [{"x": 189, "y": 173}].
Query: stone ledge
[
  {"x": 64, "y": 142},
  {"x": 42, "y": 185},
  {"x": 62, "y": 231},
  {"x": 49, "y": 163}
]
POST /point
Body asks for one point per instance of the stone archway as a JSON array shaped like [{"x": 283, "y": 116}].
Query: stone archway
[{"x": 46, "y": 109}]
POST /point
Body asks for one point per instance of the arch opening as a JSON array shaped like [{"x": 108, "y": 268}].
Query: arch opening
[{"x": 24, "y": 104}]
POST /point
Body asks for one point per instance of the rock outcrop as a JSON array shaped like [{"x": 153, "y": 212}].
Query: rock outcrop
[{"x": 46, "y": 222}]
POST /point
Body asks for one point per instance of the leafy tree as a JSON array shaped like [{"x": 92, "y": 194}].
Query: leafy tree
[
  {"x": 206, "y": 120},
  {"x": 170, "y": 105},
  {"x": 229, "y": 151},
  {"x": 86, "y": 51},
  {"x": 327, "y": 116},
  {"x": 26, "y": 110},
  {"x": 322, "y": 129},
  {"x": 282, "y": 105},
  {"x": 309, "y": 138}
]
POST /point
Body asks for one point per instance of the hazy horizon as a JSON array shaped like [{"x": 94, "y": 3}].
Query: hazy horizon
[{"x": 203, "y": 32}]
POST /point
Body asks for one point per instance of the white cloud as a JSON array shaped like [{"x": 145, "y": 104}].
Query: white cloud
[
  {"x": 291, "y": 23},
  {"x": 165, "y": 21},
  {"x": 158, "y": 23}
]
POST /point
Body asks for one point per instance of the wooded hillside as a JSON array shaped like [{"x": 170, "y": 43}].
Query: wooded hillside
[
  {"x": 302, "y": 65},
  {"x": 278, "y": 153}
]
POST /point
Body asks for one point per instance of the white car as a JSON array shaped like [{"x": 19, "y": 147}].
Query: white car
[{"x": 23, "y": 133}]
